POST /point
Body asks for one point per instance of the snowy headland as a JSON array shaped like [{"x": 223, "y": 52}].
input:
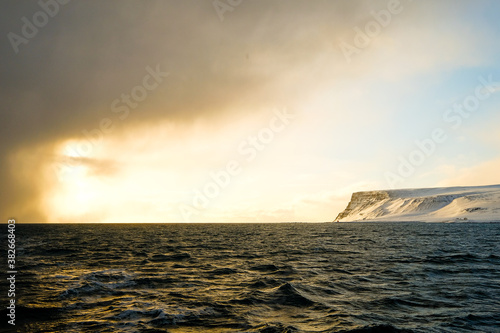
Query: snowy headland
[{"x": 447, "y": 204}]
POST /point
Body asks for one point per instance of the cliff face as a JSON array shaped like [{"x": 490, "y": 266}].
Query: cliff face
[
  {"x": 362, "y": 201},
  {"x": 480, "y": 203}
]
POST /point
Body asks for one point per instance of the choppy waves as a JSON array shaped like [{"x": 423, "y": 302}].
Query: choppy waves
[{"x": 259, "y": 278}]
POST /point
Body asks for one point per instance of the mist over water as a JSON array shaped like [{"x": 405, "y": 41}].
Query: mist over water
[{"x": 331, "y": 277}]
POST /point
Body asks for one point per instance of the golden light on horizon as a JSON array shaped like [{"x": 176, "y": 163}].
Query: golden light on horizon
[{"x": 75, "y": 194}]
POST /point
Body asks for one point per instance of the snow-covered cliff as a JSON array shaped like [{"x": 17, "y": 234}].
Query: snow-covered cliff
[{"x": 450, "y": 204}]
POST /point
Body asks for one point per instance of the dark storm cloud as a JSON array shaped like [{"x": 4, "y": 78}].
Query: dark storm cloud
[{"x": 64, "y": 79}]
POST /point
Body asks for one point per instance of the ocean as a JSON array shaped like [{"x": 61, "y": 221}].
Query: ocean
[{"x": 287, "y": 277}]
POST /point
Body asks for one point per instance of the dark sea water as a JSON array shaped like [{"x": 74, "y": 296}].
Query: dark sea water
[{"x": 331, "y": 277}]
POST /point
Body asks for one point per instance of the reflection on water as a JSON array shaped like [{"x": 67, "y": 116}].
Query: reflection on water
[{"x": 258, "y": 278}]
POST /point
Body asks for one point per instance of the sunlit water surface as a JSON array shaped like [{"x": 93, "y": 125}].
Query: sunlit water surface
[{"x": 331, "y": 277}]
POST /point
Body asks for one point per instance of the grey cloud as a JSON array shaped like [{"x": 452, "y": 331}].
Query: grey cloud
[{"x": 64, "y": 80}]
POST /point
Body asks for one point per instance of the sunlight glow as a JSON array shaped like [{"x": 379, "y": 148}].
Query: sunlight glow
[{"x": 75, "y": 195}]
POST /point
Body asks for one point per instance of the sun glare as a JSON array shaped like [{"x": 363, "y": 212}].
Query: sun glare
[
  {"x": 74, "y": 192},
  {"x": 76, "y": 148},
  {"x": 74, "y": 195}
]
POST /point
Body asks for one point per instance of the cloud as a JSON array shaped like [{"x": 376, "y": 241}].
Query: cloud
[
  {"x": 64, "y": 80},
  {"x": 265, "y": 53},
  {"x": 95, "y": 167}
]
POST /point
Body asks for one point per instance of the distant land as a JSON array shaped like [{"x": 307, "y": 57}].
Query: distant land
[{"x": 446, "y": 204}]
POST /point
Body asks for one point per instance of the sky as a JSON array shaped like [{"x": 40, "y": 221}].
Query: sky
[{"x": 241, "y": 111}]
